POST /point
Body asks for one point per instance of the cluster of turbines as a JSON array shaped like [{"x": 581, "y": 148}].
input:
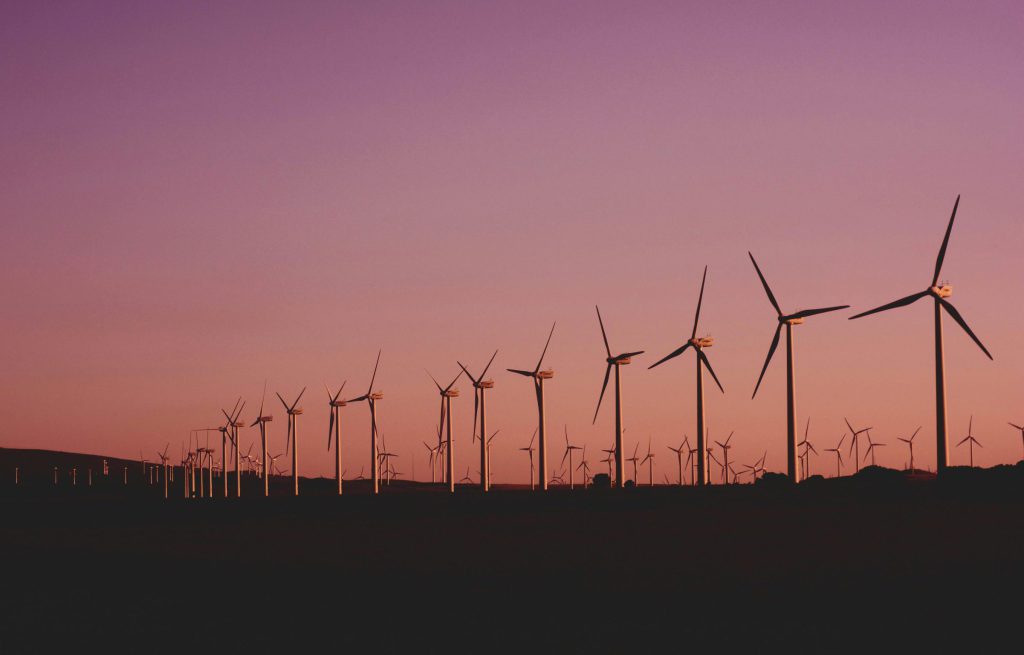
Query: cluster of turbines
[{"x": 698, "y": 457}]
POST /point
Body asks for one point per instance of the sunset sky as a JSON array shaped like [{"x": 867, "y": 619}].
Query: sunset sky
[{"x": 199, "y": 197}]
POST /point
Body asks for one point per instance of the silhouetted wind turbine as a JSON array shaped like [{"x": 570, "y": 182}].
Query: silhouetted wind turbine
[
  {"x": 231, "y": 433},
  {"x": 334, "y": 429},
  {"x": 432, "y": 450},
  {"x": 871, "y": 449},
  {"x": 970, "y": 440},
  {"x": 538, "y": 376},
  {"x": 649, "y": 460},
  {"x": 487, "y": 456},
  {"x": 371, "y": 397},
  {"x": 635, "y": 459},
  {"x": 447, "y": 393},
  {"x": 480, "y": 409},
  {"x": 939, "y": 293},
  {"x": 529, "y": 449},
  {"x": 1021, "y": 428},
  {"x": 788, "y": 320},
  {"x": 261, "y": 421},
  {"x": 679, "y": 456},
  {"x": 725, "y": 457},
  {"x": 910, "y": 445},
  {"x": 294, "y": 412},
  {"x": 698, "y": 345},
  {"x": 855, "y": 443},
  {"x": 613, "y": 362},
  {"x": 808, "y": 449},
  {"x": 839, "y": 455},
  {"x": 568, "y": 454}
]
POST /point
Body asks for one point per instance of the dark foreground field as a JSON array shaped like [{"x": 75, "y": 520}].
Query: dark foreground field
[{"x": 859, "y": 564}]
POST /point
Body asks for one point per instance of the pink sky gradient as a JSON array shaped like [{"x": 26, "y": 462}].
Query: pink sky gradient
[{"x": 196, "y": 198}]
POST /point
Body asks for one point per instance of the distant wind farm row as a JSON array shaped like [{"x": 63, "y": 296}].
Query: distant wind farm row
[{"x": 694, "y": 460}]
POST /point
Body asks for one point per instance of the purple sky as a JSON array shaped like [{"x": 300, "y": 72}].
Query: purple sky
[{"x": 196, "y": 198}]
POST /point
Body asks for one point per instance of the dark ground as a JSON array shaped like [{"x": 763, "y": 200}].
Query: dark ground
[{"x": 873, "y": 562}]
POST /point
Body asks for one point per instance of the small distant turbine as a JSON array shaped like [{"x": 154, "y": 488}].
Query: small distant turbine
[
  {"x": 839, "y": 454},
  {"x": 910, "y": 445},
  {"x": 1021, "y": 428},
  {"x": 649, "y": 460},
  {"x": 725, "y": 457},
  {"x": 529, "y": 449},
  {"x": 871, "y": 449},
  {"x": 855, "y": 444},
  {"x": 569, "y": 448},
  {"x": 447, "y": 393},
  {"x": 261, "y": 421},
  {"x": 970, "y": 441}
]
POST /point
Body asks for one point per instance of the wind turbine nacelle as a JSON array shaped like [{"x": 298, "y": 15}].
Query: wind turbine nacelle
[
  {"x": 795, "y": 321},
  {"x": 452, "y": 393},
  {"x": 296, "y": 412},
  {"x": 705, "y": 342},
  {"x": 486, "y": 384},
  {"x": 623, "y": 361},
  {"x": 546, "y": 375},
  {"x": 338, "y": 403},
  {"x": 376, "y": 395},
  {"x": 266, "y": 419},
  {"x": 944, "y": 291}
]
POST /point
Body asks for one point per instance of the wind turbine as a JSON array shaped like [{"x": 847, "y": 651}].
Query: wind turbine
[
  {"x": 635, "y": 459},
  {"x": 1021, "y": 428},
  {"x": 939, "y": 293},
  {"x": 855, "y": 443},
  {"x": 529, "y": 449},
  {"x": 788, "y": 320},
  {"x": 294, "y": 412},
  {"x": 871, "y": 449},
  {"x": 233, "y": 425},
  {"x": 432, "y": 450},
  {"x": 839, "y": 454},
  {"x": 679, "y": 456},
  {"x": 613, "y": 362},
  {"x": 447, "y": 393},
  {"x": 262, "y": 421},
  {"x": 371, "y": 397},
  {"x": 808, "y": 449},
  {"x": 334, "y": 429},
  {"x": 970, "y": 440},
  {"x": 585, "y": 466},
  {"x": 538, "y": 376},
  {"x": 163, "y": 460},
  {"x": 480, "y": 409},
  {"x": 649, "y": 459},
  {"x": 698, "y": 345},
  {"x": 568, "y": 453},
  {"x": 487, "y": 456},
  {"x": 725, "y": 457},
  {"x": 910, "y": 444}
]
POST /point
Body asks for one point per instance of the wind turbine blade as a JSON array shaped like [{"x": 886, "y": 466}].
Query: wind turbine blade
[
  {"x": 768, "y": 359},
  {"x": 704, "y": 358},
  {"x": 604, "y": 335},
  {"x": 914, "y": 297},
  {"x": 700, "y": 300},
  {"x": 545, "y": 351},
  {"x": 374, "y": 376},
  {"x": 951, "y": 310},
  {"x": 330, "y": 430},
  {"x": 296, "y": 400},
  {"x": 813, "y": 312},
  {"x": 962, "y": 441},
  {"x": 1014, "y": 425},
  {"x": 282, "y": 401},
  {"x": 945, "y": 242},
  {"x": 484, "y": 374},
  {"x": 436, "y": 383},
  {"x": 476, "y": 407},
  {"x": 335, "y": 399},
  {"x": 629, "y": 355},
  {"x": 675, "y": 353},
  {"x": 915, "y": 433},
  {"x": 767, "y": 289},
  {"x": 466, "y": 371},
  {"x": 263, "y": 397},
  {"x": 528, "y": 374},
  {"x": 607, "y": 374},
  {"x": 459, "y": 375}
]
